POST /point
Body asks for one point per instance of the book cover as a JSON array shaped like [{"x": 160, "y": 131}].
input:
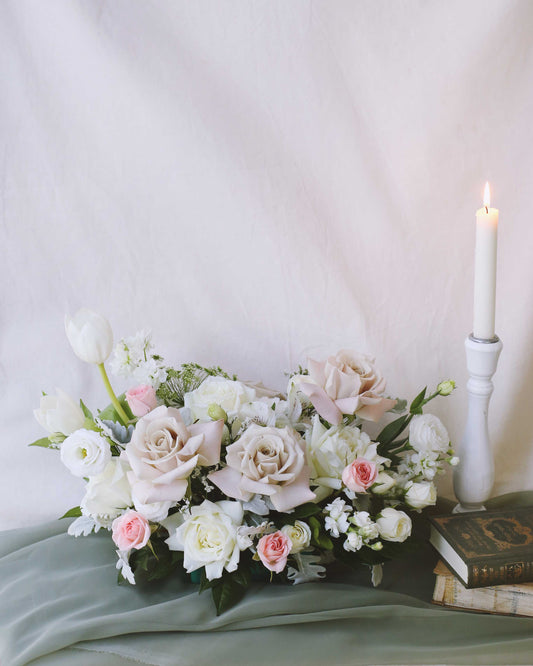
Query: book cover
[
  {"x": 495, "y": 599},
  {"x": 496, "y": 547}
]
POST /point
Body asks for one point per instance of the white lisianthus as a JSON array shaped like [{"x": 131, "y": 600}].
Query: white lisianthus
[
  {"x": 108, "y": 494},
  {"x": 383, "y": 483},
  {"x": 209, "y": 537},
  {"x": 420, "y": 495},
  {"x": 299, "y": 535},
  {"x": 353, "y": 543},
  {"x": 427, "y": 433},
  {"x": 394, "y": 525},
  {"x": 59, "y": 413},
  {"x": 331, "y": 450},
  {"x": 90, "y": 336},
  {"x": 228, "y": 394},
  {"x": 85, "y": 453}
]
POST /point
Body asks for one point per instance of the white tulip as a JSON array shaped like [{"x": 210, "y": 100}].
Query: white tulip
[
  {"x": 90, "y": 336},
  {"x": 394, "y": 525},
  {"x": 59, "y": 413},
  {"x": 85, "y": 453}
]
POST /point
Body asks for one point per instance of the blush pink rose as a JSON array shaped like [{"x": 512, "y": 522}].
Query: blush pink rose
[
  {"x": 359, "y": 475},
  {"x": 273, "y": 550},
  {"x": 131, "y": 530},
  {"x": 348, "y": 383},
  {"x": 141, "y": 399}
]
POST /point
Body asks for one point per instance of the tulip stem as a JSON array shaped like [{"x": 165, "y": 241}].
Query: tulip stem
[{"x": 116, "y": 404}]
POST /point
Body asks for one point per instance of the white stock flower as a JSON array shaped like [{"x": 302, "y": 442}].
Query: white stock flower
[
  {"x": 133, "y": 359},
  {"x": 337, "y": 521},
  {"x": 90, "y": 335},
  {"x": 108, "y": 494},
  {"x": 427, "y": 433},
  {"x": 394, "y": 525},
  {"x": 353, "y": 543},
  {"x": 366, "y": 527},
  {"x": 209, "y": 537},
  {"x": 330, "y": 450},
  {"x": 299, "y": 534},
  {"x": 85, "y": 453},
  {"x": 59, "y": 413},
  {"x": 226, "y": 393},
  {"x": 420, "y": 495}
]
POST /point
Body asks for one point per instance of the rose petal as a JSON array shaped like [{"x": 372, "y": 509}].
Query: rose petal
[
  {"x": 323, "y": 404},
  {"x": 228, "y": 480},
  {"x": 210, "y": 449}
]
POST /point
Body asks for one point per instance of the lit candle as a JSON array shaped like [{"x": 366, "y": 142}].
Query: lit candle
[{"x": 485, "y": 271}]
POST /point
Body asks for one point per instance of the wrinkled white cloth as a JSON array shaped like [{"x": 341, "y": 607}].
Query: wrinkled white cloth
[{"x": 258, "y": 182}]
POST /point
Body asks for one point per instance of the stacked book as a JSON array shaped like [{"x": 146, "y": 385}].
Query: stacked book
[{"x": 487, "y": 561}]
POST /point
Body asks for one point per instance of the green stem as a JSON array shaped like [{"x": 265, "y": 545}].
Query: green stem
[{"x": 116, "y": 404}]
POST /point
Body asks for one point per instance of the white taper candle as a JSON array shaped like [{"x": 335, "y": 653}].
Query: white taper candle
[{"x": 485, "y": 269}]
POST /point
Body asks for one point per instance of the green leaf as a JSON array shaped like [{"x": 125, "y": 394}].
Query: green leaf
[
  {"x": 72, "y": 513},
  {"x": 242, "y": 577},
  {"x": 186, "y": 379},
  {"x": 305, "y": 510},
  {"x": 418, "y": 402},
  {"x": 110, "y": 413},
  {"x": 399, "y": 407},
  {"x": 44, "y": 442},
  {"x": 392, "y": 430},
  {"x": 86, "y": 411},
  {"x": 226, "y": 594}
]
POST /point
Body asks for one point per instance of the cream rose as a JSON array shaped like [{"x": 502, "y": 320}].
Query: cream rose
[
  {"x": 266, "y": 461},
  {"x": 85, "y": 453},
  {"x": 299, "y": 535},
  {"x": 394, "y": 525},
  {"x": 420, "y": 495},
  {"x": 348, "y": 383},
  {"x": 228, "y": 394},
  {"x": 108, "y": 494},
  {"x": 208, "y": 537},
  {"x": 163, "y": 452},
  {"x": 427, "y": 433}
]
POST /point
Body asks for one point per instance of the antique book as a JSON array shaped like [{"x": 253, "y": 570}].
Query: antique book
[
  {"x": 486, "y": 547},
  {"x": 498, "y": 599}
]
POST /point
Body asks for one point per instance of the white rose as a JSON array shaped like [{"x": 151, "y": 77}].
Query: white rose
[
  {"x": 228, "y": 394},
  {"x": 108, "y": 494},
  {"x": 353, "y": 543},
  {"x": 208, "y": 537},
  {"x": 394, "y": 525},
  {"x": 383, "y": 483},
  {"x": 59, "y": 413},
  {"x": 331, "y": 450},
  {"x": 427, "y": 433},
  {"x": 90, "y": 336},
  {"x": 299, "y": 535},
  {"x": 154, "y": 511},
  {"x": 420, "y": 495},
  {"x": 85, "y": 453}
]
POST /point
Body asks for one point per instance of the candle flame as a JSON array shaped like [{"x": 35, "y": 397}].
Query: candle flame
[{"x": 486, "y": 197}]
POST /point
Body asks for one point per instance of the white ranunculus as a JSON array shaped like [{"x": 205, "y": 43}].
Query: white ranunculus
[
  {"x": 299, "y": 534},
  {"x": 383, "y": 483},
  {"x": 394, "y": 525},
  {"x": 331, "y": 450},
  {"x": 420, "y": 495},
  {"x": 228, "y": 394},
  {"x": 90, "y": 336},
  {"x": 85, "y": 453},
  {"x": 427, "y": 433},
  {"x": 208, "y": 537},
  {"x": 108, "y": 494},
  {"x": 59, "y": 413}
]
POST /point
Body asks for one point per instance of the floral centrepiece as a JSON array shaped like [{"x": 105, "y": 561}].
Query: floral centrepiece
[{"x": 194, "y": 471}]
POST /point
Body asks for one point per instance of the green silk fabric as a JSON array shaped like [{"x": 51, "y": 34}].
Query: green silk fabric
[{"x": 60, "y": 604}]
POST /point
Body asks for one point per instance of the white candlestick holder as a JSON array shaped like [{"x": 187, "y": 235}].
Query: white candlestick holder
[{"x": 474, "y": 475}]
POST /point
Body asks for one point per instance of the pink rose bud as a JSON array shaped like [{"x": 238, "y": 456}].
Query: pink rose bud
[
  {"x": 131, "y": 530},
  {"x": 273, "y": 550},
  {"x": 141, "y": 399},
  {"x": 359, "y": 475}
]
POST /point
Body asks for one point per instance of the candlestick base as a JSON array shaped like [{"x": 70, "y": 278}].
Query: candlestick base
[{"x": 474, "y": 475}]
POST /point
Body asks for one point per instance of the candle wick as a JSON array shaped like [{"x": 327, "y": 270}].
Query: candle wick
[{"x": 487, "y": 210}]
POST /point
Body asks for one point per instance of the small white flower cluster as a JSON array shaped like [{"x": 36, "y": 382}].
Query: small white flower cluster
[{"x": 132, "y": 359}]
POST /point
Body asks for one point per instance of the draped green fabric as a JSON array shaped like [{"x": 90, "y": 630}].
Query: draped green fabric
[{"x": 60, "y": 604}]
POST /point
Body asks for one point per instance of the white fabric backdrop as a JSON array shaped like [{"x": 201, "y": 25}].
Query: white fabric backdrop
[{"x": 257, "y": 181}]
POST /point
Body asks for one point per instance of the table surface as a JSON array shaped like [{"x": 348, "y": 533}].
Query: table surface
[{"x": 60, "y": 604}]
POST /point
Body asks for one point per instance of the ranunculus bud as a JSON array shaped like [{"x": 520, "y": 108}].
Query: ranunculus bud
[
  {"x": 59, "y": 414},
  {"x": 216, "y": 413},
  {"x": 131, "y": 530},
  {"x": 446, "y": 387},
  {"x": 90, "y": 336},
  {"x": 359, "y": 475},
  {"x": 141, "y": 399}
]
